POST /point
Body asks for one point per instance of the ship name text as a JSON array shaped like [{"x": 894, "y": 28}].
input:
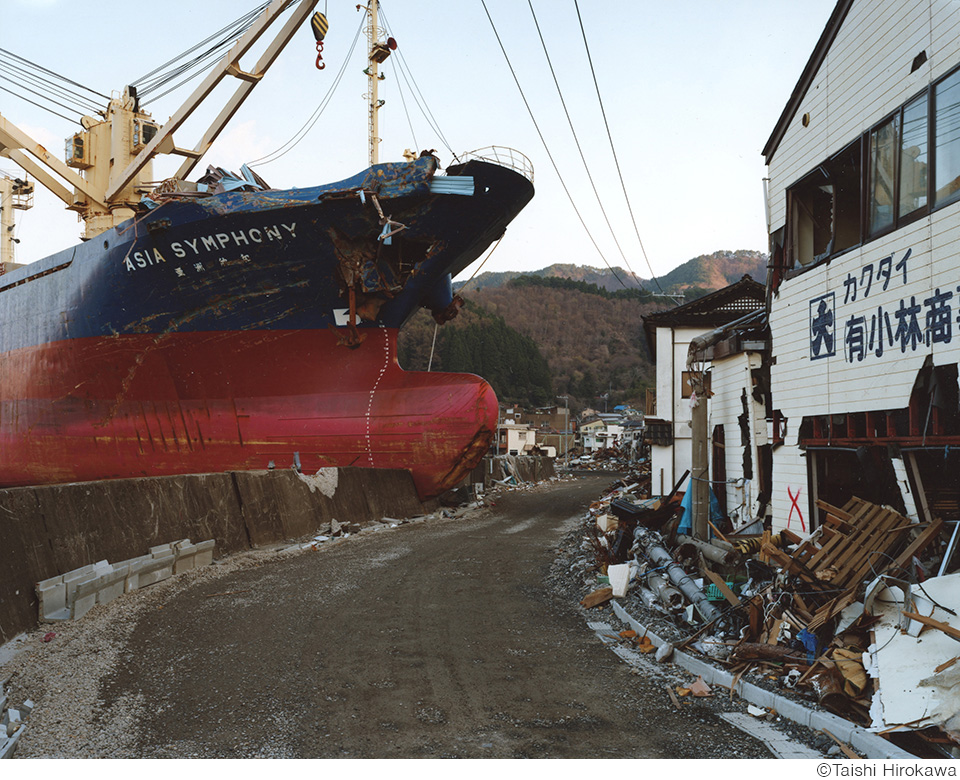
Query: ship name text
[{"x": 215, "y": 242}]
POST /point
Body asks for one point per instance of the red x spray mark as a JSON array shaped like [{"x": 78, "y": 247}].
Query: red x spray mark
[{"x": 795, "y": 505}]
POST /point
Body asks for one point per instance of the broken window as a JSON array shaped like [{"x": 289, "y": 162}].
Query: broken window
[{"x": 825, "y": 209}]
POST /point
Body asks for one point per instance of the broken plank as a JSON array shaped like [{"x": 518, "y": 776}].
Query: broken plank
[
  {"x": 925, "y": 538},
  {"x": 597, "y": 597},
  {"x": 946, "y": 628},
  {"x": 832, "y": 510},
  {"x": 722, "y": 586},
  {"x": 673, "y": 697}
]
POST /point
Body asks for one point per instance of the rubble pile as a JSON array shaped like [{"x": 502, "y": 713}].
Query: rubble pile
[
  {"x": 610, "y": 459},
  {"x": 861, "y": 619},
  {"x": 12, "y": 723}
]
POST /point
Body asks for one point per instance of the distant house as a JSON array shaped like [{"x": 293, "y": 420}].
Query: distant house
[
  {"x": 600, "y": 431},
  {"x": 863, "y": 207},
  {"x": 669, "y": 334},
  {"x": 515, "y": 438}
]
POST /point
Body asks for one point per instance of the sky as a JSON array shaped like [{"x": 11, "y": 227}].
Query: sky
[{"x": 689, "y": 92}]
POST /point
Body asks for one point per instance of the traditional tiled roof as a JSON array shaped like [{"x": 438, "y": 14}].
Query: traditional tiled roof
[{"x": 711, "y": 311}]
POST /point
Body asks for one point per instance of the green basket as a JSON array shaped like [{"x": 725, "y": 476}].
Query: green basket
[{"x": 714, "y": 594}]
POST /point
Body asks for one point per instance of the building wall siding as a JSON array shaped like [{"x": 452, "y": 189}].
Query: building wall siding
[{"x": 863, "y": 79}]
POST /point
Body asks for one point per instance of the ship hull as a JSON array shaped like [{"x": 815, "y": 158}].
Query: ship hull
[
  {"x": 235, "y": 400},
  {"x": 250, "y": 331}
]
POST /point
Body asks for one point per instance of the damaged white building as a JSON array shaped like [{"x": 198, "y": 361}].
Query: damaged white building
[{"x": 863, "y": 203}]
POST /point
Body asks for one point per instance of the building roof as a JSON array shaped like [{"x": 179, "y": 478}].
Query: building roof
[
  {"x": 709, "y": 312},
  {"x": 806, "y": 77}
]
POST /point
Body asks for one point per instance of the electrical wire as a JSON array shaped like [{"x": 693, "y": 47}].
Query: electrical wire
[
  {"x": 576, "y": 139},
  {"x": 613, "y": 148},
  {"x": 416, "y": 92},
  {"x": 547, "y": 148},
  {"x": 308, "y": 125}
]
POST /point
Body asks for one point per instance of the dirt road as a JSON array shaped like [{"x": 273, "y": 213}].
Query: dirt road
[{"x": 441, "y": 639}]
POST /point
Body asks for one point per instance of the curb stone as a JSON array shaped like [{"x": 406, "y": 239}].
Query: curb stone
[{"x": 865, "y": 742}]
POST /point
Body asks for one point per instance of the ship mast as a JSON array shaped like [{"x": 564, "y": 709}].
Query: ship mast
[{"x": 378, "y": 52}]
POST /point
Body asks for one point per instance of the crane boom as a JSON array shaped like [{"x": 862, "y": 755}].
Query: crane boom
[{"x": 115, "y": 155}]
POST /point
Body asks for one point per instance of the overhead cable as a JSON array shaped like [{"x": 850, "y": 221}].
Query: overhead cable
[
  {"x": 547, "y": 148},
  {"x": 308, "y": 125},
  {"x": 579, "y": 147},
  {"x": 613, "y": 148}
]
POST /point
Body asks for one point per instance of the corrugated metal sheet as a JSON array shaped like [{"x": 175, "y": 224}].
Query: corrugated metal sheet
[{"x": 452, "y": 185}]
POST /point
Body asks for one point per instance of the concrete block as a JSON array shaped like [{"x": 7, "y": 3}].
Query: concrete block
[
  {"x": 111, "y": 585},
  {"x": 186, "y": 554},
  {"x": 156, "y": 570},
  {"x": 205, "y": 552},
  {"x": 84, "y": 597},
  {"x": 134, "y": 567},
  {"x": 10, "y": 722},
  {"x": 9, "y": 745},
  {"x": 53, "y": 597}
]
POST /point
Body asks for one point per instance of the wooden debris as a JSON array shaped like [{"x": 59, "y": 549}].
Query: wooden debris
[
  {"x": 673, "y": 697},
  {"x": 946, "y": 628},
  {"x": 597, "y": 598},
  {"x": 846, "y": 749}
]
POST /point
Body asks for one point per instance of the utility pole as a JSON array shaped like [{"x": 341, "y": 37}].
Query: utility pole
[
  {"x": 699, "y": 472},
  {"x": 566, "y": 430}
]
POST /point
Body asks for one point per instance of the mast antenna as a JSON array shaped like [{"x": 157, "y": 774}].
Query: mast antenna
[{"x": 378, "y": 50}]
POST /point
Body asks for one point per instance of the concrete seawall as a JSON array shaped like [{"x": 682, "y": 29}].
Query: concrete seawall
[{"x": 49, "y": 530}]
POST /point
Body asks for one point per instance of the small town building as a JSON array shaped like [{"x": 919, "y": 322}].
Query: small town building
[{"x": 669, "y": 335}]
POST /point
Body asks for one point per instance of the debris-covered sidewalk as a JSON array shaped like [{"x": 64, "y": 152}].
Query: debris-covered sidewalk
[{"x": 859, "y": 620}]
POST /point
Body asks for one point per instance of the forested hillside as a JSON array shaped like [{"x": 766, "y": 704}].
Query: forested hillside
[
  {"x": 564, "y": 330},
  {"x": 710, "y": 272}
]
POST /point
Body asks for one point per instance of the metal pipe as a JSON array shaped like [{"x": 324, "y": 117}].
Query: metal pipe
[
  {"x": 651, "y": 546},
  {"x": 711, "y": 551},
  {"x": 666, "y": 594}
]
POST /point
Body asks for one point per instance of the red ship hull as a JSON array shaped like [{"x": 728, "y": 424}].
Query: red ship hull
[{"x": 215, "y": 401}]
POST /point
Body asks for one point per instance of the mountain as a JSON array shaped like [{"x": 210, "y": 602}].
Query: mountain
[
  {"x": 710, "y": 272},
  {"x": 565, "y": 329}
]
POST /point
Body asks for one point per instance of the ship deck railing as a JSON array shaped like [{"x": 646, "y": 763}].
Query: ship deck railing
[{"x": 503, "y": 156}]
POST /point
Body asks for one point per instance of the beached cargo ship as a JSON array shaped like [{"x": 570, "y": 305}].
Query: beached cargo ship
[{"x": 230, "y": 326}]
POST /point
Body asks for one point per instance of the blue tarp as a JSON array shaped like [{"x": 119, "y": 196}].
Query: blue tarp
[{"x": 686, "y": 522}]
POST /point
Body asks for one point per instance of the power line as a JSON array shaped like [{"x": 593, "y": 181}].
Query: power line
[
  {"x": 579, "y": 147},
  {"x": 318, "y": 111},
  {"x": 612, "y": 147},
  {"x": 547, "y": 148}
]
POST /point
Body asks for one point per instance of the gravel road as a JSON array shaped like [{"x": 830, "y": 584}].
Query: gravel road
[{"x": 443, "y": 638}]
